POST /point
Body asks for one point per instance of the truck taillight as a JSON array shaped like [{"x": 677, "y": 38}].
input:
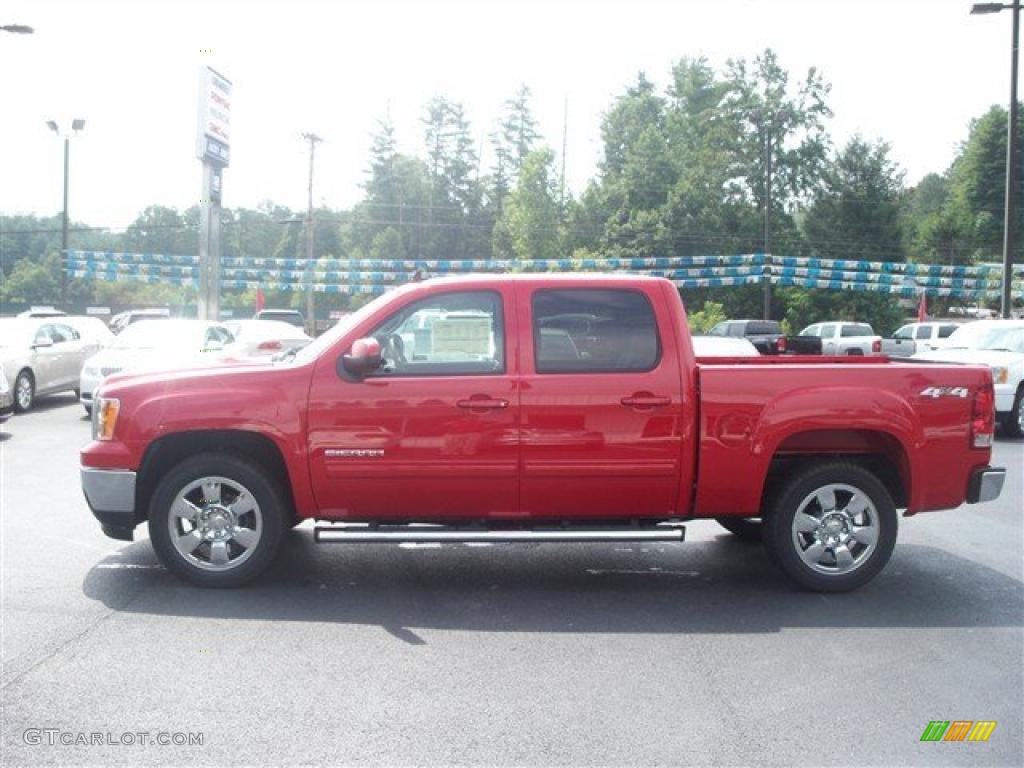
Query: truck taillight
[
  {"x": 876, "y": 346},
  {"x": 268, "y": 346},
  {"x": 983, "y": 417},
  {"x": 780, "y": 344}
]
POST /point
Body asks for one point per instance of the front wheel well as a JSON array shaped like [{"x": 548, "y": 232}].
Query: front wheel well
[{"x": 170, "y": 450}]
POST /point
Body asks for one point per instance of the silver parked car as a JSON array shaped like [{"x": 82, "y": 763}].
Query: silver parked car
[
  {"x": 152, "y": 345},
  {"x": 6, "y": 398},
  {"x": 265, "y": 338},
  {"x": 42, "y": 356}
]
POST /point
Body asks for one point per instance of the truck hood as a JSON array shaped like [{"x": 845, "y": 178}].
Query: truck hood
[
  {"x": 182, "y": 375},
  {"x": 115, "y": 360},
  {"x": 988, "y": 357}
]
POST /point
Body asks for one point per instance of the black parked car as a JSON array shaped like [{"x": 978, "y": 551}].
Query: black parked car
[{"x": 767, "y": 337}]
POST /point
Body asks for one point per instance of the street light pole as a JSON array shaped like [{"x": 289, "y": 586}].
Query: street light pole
[
  {"x": 64, "y": 230},
  {"x": 1009, "y": 212},
  {"x": 1009, "y": 226},
  {"x": 76, "y": 125}
]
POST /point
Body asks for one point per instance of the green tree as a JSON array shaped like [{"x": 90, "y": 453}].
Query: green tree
[
  {"x": 454, "y": 213},
  {"x": 706, "y": 318},
  {"x": 977, "y": 186},
  {"x": 161, "y": 229},
  {"x": 856, "y": 210},
  {"x": 33, "y": 282},
  {"x": 388, "y": 245},
  {"x": 530, "y": 222},
  {"x": 780, "y": 139},
  {"x": 515, "y": 138}
]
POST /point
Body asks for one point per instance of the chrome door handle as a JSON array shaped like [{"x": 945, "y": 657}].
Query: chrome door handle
[
  {"x": 644, "y": 400},
  {"x": 482, "y": 403}
]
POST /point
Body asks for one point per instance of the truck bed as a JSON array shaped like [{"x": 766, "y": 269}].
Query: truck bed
[{"x": 758, "y": 410}]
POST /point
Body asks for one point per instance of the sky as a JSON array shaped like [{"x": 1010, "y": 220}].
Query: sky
[{"x": 913, "y": 73}]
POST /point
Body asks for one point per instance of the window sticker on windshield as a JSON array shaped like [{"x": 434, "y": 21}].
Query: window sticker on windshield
[{"x": 471, "y": 335}]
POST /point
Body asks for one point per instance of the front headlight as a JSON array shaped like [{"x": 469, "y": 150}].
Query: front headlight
[
  {"x": 104, "y": 417},
  {"x": 90, "y": 371},
  {"x": 1000, "y": 375}
]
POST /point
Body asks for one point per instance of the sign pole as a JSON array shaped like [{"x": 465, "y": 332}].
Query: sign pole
[
  {"x": 209, "y": 245},
  {"x": 213, "y": 148}
]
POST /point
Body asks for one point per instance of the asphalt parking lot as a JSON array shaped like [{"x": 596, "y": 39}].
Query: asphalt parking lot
[{"x": 535, "y": 655}]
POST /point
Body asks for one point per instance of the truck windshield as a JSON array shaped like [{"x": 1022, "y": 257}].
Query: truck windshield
[{"x": 312, "y": 350}]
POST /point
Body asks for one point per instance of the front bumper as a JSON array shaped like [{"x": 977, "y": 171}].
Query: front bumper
[
  {"x": 985, "y": 484},
  {"x": 1005, "y": 393},
  {"x": 6, "y": 406},
  {"x": 111, "y": 497},
  {"x": 87, "y": 386}
]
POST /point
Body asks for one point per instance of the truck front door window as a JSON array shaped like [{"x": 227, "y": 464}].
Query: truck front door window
[{"x": 452, "y": 334}]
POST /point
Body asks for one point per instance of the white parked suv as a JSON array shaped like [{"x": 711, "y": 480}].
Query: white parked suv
[
  {"x": 848, "y": 338},
  {"x": 998, "y": 344},
  {"x": 930, "y": 335}
]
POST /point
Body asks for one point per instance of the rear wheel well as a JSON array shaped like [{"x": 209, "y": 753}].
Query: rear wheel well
[
  {"x": 170, "y": 450},
  {"x": 877, "y": 452}
]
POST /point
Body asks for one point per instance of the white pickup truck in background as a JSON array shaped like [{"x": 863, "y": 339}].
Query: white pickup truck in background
[
  {"x": 928, "y": 336},
  {"x": 847, "y": 338}
]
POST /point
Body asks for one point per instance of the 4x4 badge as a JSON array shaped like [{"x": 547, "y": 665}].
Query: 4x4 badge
[{"x": 937, "y": 392}]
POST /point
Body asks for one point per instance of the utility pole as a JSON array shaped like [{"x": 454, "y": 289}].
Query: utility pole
[
  {"x": 766, "y": 280},
  {"x": 313, "y": 140},
  {"x": 565, "y": 146}
]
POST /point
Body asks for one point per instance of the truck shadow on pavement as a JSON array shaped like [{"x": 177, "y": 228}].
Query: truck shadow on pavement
[{"x": 721, "y": 585}]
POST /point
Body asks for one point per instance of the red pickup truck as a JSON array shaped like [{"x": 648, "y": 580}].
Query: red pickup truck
[{"x": 535, "y": 408}]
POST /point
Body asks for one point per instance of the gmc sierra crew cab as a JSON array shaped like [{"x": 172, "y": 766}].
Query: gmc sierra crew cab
[{"x": 550, "y": 408}]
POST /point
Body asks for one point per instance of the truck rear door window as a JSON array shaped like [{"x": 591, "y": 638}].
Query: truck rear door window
[
  {"x": 852, "y": 330},
  {"x": 594, "y": 331}
]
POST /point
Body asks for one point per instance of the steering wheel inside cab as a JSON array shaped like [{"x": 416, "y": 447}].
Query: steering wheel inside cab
[{"x": 393, "y": 351}]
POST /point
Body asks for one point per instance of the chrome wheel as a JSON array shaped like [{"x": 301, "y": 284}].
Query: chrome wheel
[
  {"x": 835, "y": 529},
  {"x": 24, "y": 391},
  {"x": 1020, "y": 413},
  {"x": 215, "y": 523}
]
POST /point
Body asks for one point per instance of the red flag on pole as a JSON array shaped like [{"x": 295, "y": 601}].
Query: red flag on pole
[
  {"x": 922, "y": 308},
  {"x": 261, "y": 300}
]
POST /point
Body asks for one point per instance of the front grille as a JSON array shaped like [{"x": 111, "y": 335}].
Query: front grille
[{"x": 109, "y": 371}]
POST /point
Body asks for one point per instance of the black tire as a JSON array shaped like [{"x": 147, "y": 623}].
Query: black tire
[
  {"x": 238, "y": 469},
  {"x": 1012, "y": 426},
  {"x": 781, "y": 540},
  {"x": 29, "y": 381},
  {"x": 88, "y": 410},
  {"x": 746, "y": 528}
]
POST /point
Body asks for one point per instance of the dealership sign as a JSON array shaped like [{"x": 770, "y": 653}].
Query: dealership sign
[{"x": 213, "y": 138}]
